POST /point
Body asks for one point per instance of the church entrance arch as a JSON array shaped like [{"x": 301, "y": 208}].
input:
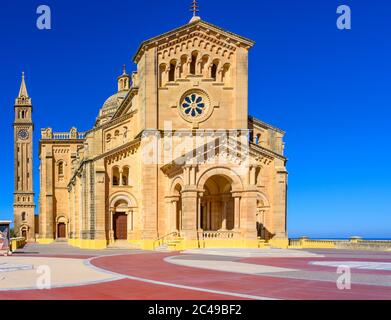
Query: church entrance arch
[
  {"x": 122, "y": 216},
  {"x": 61, "y": 227}
]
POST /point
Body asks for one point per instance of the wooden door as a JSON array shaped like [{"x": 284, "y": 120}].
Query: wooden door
[
  {"x": 120, "y": 226},
  {"x": 61, "y": 230}
]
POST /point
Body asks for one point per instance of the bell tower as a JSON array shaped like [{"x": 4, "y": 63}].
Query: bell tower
[{"x": 24, "y": 207}]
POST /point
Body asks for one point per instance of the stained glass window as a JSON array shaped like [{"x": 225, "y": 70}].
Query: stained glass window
[{"x": 193, "y": 105}]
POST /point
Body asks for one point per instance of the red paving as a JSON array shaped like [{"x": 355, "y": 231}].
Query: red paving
[
  {"x": 279, "y": 288},
  {"x": 115, "y": 290},
  {"x": 153, "y": 267}
]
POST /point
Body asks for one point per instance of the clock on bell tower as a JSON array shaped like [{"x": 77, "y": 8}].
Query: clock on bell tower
[{"x": 24, "y": 206}]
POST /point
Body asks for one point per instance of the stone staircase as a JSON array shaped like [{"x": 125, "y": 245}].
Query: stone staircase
[
  {"x": 61, "y": 241},
  {"x": 170, "y": 245},
  {"x": 123, "y": 245}
]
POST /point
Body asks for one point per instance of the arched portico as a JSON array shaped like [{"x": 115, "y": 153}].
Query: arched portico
[{"x": 219, "y": 201}]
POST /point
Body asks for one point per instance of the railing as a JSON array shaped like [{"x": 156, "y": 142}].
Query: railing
[
  {"x": 220, "y": 235},
  {"x": 164, "y": 239},
  {"x": 312, "y": 244},
  {"x": 353, "y": 243},
  {"x": 68, "y": 136}
]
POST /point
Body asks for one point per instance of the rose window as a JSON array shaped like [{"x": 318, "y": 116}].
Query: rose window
[{"x": 193, "y": 105}]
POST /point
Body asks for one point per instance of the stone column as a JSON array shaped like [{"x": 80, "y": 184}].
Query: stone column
[
  {"x": 199, "y": 207},
  {"x": 199, "y": 67},
  {"x": 224, "y": 218},
  {"x": 280, "y": 204},
  {"x": 174, "y": 210},
  {"x": 177, "y": 71},
  {"x": 189, "y": 213},
  {"x": 130, "y": 222},
  {"x": 220, "y": 75},
  {"x": 120, "y": 177},
  {"x": 237, "y": 213},
  {"x": 99, "y": 228},
  {"x": 248, "y": 211},
  {"x": 111, "y": 224}
]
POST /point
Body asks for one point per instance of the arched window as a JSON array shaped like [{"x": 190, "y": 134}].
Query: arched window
[
  {"x": 258, "y": 139},
  {"x": 171, "y": 74},
  {"x": 184, "y": 66},
  {"x": 193, "y": 63},
  {"x": 125, "y": 176},
  {"x": 204, "y": 64},
  {"x": 162, "y": 75},
  {"x": 23, "y": 216},
  {"x": 226, "y": 74},
  {"x": 61, "y": 168},
  {"x": 214, "y": 71},
  {"x": 115, "y": 176}
]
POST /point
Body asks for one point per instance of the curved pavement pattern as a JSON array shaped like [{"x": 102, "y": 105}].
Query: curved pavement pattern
[
  {"x": 17, "y": 273},
  {"x": 209, "y": 274}
]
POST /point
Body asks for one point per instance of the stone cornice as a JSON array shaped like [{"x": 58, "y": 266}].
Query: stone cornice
[
  {"x": 112, "y": 122},
  {"x": 126, "y": 148},
  {"x": 132, "y": 93},
  {"x": 265, "y": 125},
  {"x": 160, "y": 40},
  {"x": 258, "y": 150}
]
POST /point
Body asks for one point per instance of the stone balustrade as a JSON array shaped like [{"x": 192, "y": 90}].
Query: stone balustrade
[
  {"x": 220, "y": 235},
  {"x": 354, "y": 243}
]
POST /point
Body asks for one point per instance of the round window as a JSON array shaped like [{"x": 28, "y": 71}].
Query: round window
[{"x": 194, "y": 104}]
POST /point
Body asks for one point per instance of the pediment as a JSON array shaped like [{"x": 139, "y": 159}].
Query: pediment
[
  {"x": 204, "y": 31},
  {"x": 229, "y": 151}
]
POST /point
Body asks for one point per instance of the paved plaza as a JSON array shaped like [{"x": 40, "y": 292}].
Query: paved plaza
[{"x": 222, "y": 274}]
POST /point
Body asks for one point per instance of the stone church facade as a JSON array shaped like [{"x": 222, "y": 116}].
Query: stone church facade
[{"x": 174, "y": 159}]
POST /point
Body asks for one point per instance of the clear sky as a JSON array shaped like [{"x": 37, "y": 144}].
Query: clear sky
[{"x": 328, "y": 89}]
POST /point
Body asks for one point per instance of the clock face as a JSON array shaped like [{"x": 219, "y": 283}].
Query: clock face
[{"x": 23, "y": 134}]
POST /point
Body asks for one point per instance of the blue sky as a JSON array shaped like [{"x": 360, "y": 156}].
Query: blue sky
[{"x": 328, "y": 89}]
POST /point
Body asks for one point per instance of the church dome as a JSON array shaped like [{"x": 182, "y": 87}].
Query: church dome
[{"x": 110, "y": 107}]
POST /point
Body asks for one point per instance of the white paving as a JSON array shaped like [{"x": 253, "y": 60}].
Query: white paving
[
  {"x": 366, "y": 265},
  {"x": 21, "y": 273},
  {"x": 227, "y": 266}
]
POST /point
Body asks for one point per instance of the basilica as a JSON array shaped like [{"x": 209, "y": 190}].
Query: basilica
[{"x": 173, "y": 159}]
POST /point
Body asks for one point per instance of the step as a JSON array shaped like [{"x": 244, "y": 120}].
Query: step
[{"x": 123, "y": 245}]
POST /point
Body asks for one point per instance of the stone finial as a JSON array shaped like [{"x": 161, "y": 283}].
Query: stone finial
[
  {"x": 47, "y": 133},
  {"x": 195, "y": 10},
  {"x": 73, "y": 133}
]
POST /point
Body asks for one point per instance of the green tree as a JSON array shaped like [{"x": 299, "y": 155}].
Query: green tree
[{"x": 12, "y": 233}]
